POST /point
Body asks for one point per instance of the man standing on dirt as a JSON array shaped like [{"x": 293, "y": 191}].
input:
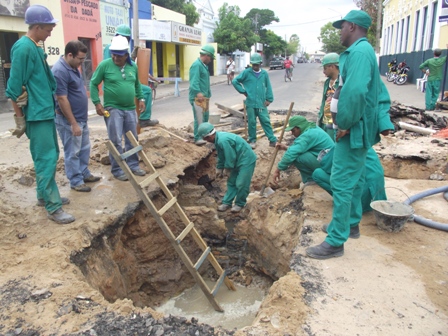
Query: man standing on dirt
[
  {"x": 199, "y": 92},
  {"x": 31, "y": 87},
  {"x": 236, "y": 160},
  {"x": 434, "y": 68},
  {"x": 310, "y": 141},
  {"x": 121, "y": 87},
  {"x": 71, "y": 116},
  {"x": 357, "y": 120},
  {"x": 254, "y": 83}
]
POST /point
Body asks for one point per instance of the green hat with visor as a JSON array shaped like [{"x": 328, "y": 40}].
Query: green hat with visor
[
  {"x": 331, "y": 58},
  {"x": 358, "y": 17},
  {"x": 208, "y": 50},
  {"x": 300, "y": 122}
]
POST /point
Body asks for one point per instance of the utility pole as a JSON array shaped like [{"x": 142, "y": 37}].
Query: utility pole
[
  {"x": 378, "y": 26},
  {"x": 286, "y": 46},
  {"x": 256, "y": 30},
  {"x": 135, "y": 30}
]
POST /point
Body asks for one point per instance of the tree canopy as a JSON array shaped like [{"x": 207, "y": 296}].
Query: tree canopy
[
  {"x": 293, "y": 45},
  {"x": 233, "y": 32},
  {"x": 329, "y": 37},
  {"x": 371, "y": 7},
  {"x": 185, "y": 7},
  {"x": 261, "y": 18},
  {"x": 272, "y": 43}
]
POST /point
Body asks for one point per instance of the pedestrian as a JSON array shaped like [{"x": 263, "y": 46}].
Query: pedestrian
[
  {"x": 119, "y": 75},
  {"x": 433, "y": 67},
  {"x": 71, "y": 116},
  {"x": 31, "y": 86},
  {"x": 357, "y": 120},
  {"x": 254, "y": 83},
  {"x": 330, "y": 63},
  {"x": 310, "y": 141},
  {"x": 289, "y": 67},
  {"x": 236, "y": 160},
  {"x": 145, "y": 117},
  {"x": 199, "y": 92},
  {"x": 230, "y": 67}
]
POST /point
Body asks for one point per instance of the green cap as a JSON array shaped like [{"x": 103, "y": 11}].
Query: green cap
[
  {"x": 296, "y": 121},
  {"x": 256, "y": 59},
  {"x": 358, "y": 17},
  {"x": 331, "y": 58},
  {"x": 204, "y": 129},
  {"x": 208, "y": 50}
]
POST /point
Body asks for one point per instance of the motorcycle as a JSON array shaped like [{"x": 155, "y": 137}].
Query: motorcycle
[
  {"x": 390, "y": 75},
  {"x": 402, "y": 73}
]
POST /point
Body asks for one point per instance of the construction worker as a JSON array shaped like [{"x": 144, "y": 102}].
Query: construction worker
[
  {"x": 357, "y": 120},
  {"x": 31, "y": 87},
  {"x": 236, "y": 160},
  {"x": 121, "y": 86},
  {"x": 330, "y": 63},
  {"x": 310, "y": 141},
  {"x": 144, "y": 119},
  {"x": 254, "y": 83},
  {"x": 434, "y": 68},
  {"x": 199, "y": 92}
]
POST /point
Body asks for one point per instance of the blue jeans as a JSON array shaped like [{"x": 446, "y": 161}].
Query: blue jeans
[
  {"x": 76, "y": 150},
  {"x": 118, "y": 124}
]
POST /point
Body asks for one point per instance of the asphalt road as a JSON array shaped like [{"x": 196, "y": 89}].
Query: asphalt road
[{"x": 304, "y": 90}]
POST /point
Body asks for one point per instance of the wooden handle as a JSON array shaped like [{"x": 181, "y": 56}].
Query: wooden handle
[
  {"x": 276, "y": 149},
  {"x": 245, "y": 121}
]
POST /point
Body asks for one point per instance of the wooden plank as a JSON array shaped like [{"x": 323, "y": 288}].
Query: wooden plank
[
  {"x": 149, "y": 179},
  {"x": 218, "y": 283},
  {"x": 184, "y": 233},
  {"x": 202, "y": 258},
  {"x": 233, "y": 112},
  {"x": 167, "y": 206},
  {"x": 134, "y": 150}
]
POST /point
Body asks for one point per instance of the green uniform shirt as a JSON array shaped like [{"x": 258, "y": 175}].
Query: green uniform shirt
[
  {"x": 358, "y": 101},
  {"x": 258, "y": 89},
  {"x": 313, "y": 140},
  {"x": 384, "y": 122},
  {"x": 120, "y": 87},
  {"x": 30, "y": 69},
  {"x": 233, "y": 151},
  {"x": 199, "y": 80},
  {"x": 435, "y": 66}
]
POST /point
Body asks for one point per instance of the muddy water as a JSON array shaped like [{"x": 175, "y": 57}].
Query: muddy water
[{"x": 240, "y": 306}]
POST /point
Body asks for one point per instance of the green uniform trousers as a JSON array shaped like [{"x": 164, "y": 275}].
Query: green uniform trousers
[
  {"x": 147, "y": 94},
  {"x": 198, "y": 119},
  {"x": 238, "y": 185},
  {"x": 45, "y": 153},
  {"x": 306, "y": 163},
  {"x": 347, "y": 182},
  {"x": 431, "y": 94},
  {"x": 265, "y": 121}
]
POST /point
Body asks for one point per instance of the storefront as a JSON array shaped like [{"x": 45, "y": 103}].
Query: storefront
[{"x": 113, "y": 13}]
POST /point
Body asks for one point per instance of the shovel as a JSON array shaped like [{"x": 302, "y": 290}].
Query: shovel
[{"x": 269, "y": 190}]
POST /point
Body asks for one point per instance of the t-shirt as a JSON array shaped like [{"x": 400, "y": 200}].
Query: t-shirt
[
  {"x": 230, "y": 65},
  {"x": 288, "y": 64},
  {"x": 70, "y": 83}
]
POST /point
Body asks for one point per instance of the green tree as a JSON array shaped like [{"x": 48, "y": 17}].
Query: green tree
[
  {"x": 272, "y": 43},
  {"x": 233, "y": 32},
  {"x": 261, "y": 18},
  {"x": 329, "y": 37},
  {"x": 293, "y": 44},
  {"x": 185, "y": 7},
  {"x": 372, "y": 8}
]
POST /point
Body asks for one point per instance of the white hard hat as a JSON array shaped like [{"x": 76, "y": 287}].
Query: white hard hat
[{"x": 119, "y": 45}]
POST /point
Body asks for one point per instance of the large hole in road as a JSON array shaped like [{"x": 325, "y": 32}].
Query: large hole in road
[{"x": 133, "y": 259}]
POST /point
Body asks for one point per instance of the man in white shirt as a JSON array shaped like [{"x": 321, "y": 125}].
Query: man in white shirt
[{"x": 230, "y": 66}]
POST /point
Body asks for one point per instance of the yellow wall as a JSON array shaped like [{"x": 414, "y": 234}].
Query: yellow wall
[
  {"x": 13, "y": 24},
  {"x": 191, "y": 53},
  {"x": 163, "y": 14},
  {"x": 443, "y": 37}
]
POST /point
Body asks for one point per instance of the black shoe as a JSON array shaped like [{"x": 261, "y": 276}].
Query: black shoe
[
  {"x": 354, "y": 231},
  {"x": 64, "y": 200},
  {"x": 91, "y": 178},
  {"x": 148, "y": 123},
  {"x": 82, "y": 188},
  {"x": 324, "y": 251}
]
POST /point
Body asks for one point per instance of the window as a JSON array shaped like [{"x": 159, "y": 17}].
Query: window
[
  {"x": 408, "y": 21},
  {"x": 417, "y": 21},
  {"x": 397, "y": 41},
  {"x": 424, "y": 35},
  {"x": 433, "y": 24}
]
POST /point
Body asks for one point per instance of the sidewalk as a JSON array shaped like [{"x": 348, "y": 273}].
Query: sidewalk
[{"x": 406, "y": 94}]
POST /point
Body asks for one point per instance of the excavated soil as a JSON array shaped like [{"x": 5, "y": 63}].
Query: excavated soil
[{"x": 104, "y": 273}]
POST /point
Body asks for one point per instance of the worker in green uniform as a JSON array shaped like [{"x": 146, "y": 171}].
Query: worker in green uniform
[
  {"x": 374, "y": 186},
  {"x": 144, "y": 118},
  {"x": 199, "y": 91},
  {"x": 357, "y": 120},
  {"x": 31, "y": 87},
  {"x": 236, "y": 159},
  {"x": 254, "y": 83},
  {"x": 310, "y": 141},
  {"x": 330, "y": 63},
  {"x": 434, "y": 68}
]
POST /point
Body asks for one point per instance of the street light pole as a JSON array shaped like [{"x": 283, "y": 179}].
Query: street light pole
[{"x": 135, "y": 29}]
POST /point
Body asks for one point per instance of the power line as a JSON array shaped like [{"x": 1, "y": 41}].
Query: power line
[{"x": 304, "y": 23}]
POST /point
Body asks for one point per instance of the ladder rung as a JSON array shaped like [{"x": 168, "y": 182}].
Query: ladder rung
[
  {"x": 167, "y": 206},
  {"x": 202, "y": 258},
  {"x": 218, "y": 283},
  {"x": 134, "y": 150},
  {"x": 184, "y": 233},
  {"x": 149, "y": 179}
]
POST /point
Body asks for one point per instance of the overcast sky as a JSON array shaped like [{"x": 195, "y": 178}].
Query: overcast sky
[{"x": 301, "y": 17}]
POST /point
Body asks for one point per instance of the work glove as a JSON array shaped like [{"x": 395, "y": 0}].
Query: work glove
[
  {"x": 227, "y": 172},
  {"x": 20, "y": 126},
  {"x": 22, "y": 100},
  {"x": 219, "y": 173}
]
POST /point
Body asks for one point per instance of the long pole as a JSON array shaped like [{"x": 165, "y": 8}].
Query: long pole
[
  {"x": 135, "y": 30},
  {"x": 378, "y": 26}
]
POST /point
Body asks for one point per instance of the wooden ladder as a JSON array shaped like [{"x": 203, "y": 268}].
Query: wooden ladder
[{"x": 158, "y": 215}]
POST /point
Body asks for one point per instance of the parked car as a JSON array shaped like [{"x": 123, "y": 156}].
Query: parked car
[
  {"x": 301, "y": 60},
  {"x": 277, "y": 63}
]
